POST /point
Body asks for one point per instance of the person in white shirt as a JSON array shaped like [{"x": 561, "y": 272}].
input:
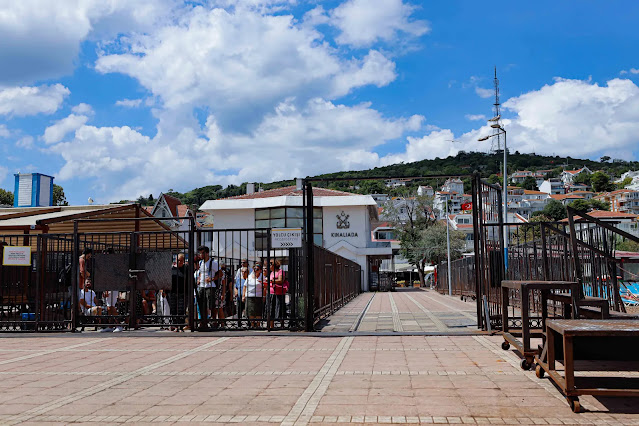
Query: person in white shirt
[
  {"x": 254, "y": 293},
  {"x": 205, "y": 277},
  {"x": 88, "y": 300}
]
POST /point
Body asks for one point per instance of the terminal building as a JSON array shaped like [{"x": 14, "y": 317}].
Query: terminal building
[{"x": 341, "y": 222}]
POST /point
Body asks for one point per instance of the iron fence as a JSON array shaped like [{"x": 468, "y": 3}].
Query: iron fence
[
  {"x": 462, "y": 278},
  {"x": 337, "y": 281},
  {"x": 36, "y": 297}
]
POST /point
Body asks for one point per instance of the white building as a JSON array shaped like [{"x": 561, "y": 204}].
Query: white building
[
  {"x": 567, "y": 176},
  {"x": 341, "y": 221},
  {"x": 621, "y": 200},
  {"x": 630, "y": 174},
  {"x": 425, "y": 191},
  {"x": 552, "y": 186},
  {"x": 453, "y": 185},
  {"x": 463, "y": 223}
]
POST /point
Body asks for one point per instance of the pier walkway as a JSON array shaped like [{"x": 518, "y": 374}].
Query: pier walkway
[{"x": 406, "y": 310}]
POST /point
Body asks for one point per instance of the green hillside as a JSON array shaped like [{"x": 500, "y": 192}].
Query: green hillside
[{"x": 462, "y": 163}]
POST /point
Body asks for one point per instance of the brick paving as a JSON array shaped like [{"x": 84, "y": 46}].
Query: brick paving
[
  {"x": 296, "y": 379},
  {"x": 364, "y": 368}
]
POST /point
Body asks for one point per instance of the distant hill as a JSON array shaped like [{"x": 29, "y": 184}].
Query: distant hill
[{"x": 462, "y": 163}]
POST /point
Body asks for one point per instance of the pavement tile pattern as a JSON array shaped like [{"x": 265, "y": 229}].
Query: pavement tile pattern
[{"x": 290, "y": 380}]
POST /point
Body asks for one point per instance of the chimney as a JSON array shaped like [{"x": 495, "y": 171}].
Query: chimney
[
  {"x": 250, "y": 188},
  {"x": 298, "y": 184}
]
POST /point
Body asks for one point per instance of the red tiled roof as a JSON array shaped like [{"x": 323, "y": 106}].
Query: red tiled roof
[
  {"x": 565, "y": 196},
  {"x": 173, "y": 204},
  {"x": 603, "y": 214},
  {"x": 572, "y": 172},
  {"x": 182, "y": 210},
  {"x": 148, "y": 208},
  {"x": 464, "y": 225},
  {"x": 291, "y": 191},
  {"x": 531, "y": 192}
]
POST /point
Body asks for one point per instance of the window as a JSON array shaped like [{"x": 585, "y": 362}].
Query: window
[
  {"x": 285, "y": 217},
  {"x": 385, "y": 235}
]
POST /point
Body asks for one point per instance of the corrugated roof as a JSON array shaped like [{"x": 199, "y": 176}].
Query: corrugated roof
[{"x": 32, "y": 220}]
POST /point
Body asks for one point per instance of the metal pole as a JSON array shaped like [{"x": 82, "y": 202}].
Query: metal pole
[
  {"x": 450, "y": 285},
  {"x": 310, "y": 267},
  {"x": 506, "y": 231}
]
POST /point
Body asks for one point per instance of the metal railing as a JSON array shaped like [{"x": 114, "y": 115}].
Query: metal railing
[{"x": 337, "y": 281}]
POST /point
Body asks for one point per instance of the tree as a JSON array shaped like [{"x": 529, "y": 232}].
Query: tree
[
  {"x": 555, "y": 210},
  {"x": 435, "y": 248},
  {"x": 599, "y": 205},
  {"x": 627, "y": 245},
  {"x": 6, "y": 197},
  {"x": 409, "y": 217},
  {"x": 600, "y": 182},
  {"x": 59, "y": 199},
  {"x": 627, "y": 181},
  {"x": 532, "y": 230},
  {"x": 583, "y": 177},
  {"x": 580, "y": 205},
  {"x": 529, "y": 183},
  {"x": 605, "y": 159}
]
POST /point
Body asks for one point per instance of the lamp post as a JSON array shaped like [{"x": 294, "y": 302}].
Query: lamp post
[
  {"x": 496, "y": 125},
  {"x": 450, "y": 285}
]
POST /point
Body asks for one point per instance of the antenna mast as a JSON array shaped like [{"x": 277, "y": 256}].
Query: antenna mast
[{"x": 496, "y": 140}]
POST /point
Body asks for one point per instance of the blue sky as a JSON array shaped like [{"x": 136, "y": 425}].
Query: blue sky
[{"x": 118, "y": 99}]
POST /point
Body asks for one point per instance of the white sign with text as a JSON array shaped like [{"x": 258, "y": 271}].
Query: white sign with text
[
  {"x": 16, "y": 256},
  {"x": 286, "y": 238}
]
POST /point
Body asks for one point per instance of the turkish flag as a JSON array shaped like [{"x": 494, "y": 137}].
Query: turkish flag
[{"x": 467, "y": 206}]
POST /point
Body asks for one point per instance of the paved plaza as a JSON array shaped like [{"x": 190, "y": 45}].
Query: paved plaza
[{"x": 299, "y": 378}]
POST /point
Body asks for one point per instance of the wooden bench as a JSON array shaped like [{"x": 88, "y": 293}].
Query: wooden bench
[
  {"x": 594, "y": 340},
  {"x": 525, "y": 288},
  {"x": 599, "y": 303}
]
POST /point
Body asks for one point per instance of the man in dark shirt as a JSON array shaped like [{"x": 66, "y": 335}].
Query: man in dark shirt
[{"x": 178, "y": 295}]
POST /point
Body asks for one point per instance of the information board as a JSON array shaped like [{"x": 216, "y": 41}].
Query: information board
[
  {"x": 16, "y": 256},
  {"x": 286, "y": 238}
]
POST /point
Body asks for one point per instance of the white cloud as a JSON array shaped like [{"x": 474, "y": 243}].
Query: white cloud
[
  {"x": 475, "y": 117},
  {"x": 290, "y": 141},
  {"x": 239, "y": 58},
  {"x": 56, "y": 132},
  {"x": 25, "y": 142},
  {"x": 23, "y": 101},
  {"x": 569, "y": 117},
  {"x": 4, "y": 131},
  {"x": 84, "y": 109},
  {"x": 46, "y": 35},
  {"x": 363, "y": 23},
  {"x": 484, "y": 93},
  {"x": 631, "y": 71},
  {"x": 129, "y": 103},
  {"x": 437, "y": 143},
  {"x": 578, "y": 118}
]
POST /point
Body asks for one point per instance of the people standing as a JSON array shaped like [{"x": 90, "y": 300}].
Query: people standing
[
  {"x": 205, "y": 276},
  {"x": 278, "y": 290},
  {"x": 177, "y": 294},
  {"x": 253, "y": 294},
  {"x": 239, "y": 287}
]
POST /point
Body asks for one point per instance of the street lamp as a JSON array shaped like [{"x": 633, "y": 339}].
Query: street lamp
[
  {"x": 496, "y": 125},
  {"x": 450, "y": 283}
]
